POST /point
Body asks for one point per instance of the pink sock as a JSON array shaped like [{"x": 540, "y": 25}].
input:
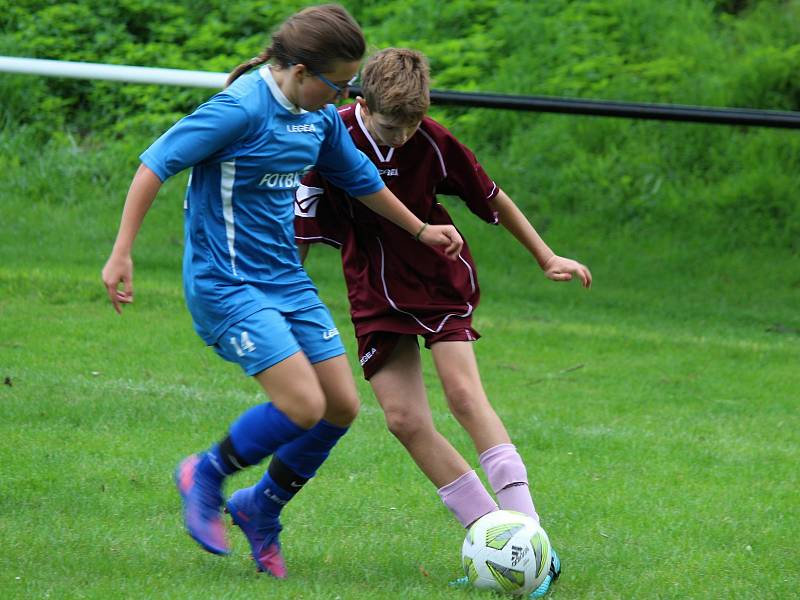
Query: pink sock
[
  {"x": 467, "y": 499},
  {"x": 509, "y": 480}
]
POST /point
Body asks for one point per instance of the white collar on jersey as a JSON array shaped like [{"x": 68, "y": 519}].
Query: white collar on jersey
[
  {"x": 375, "y": 147},
  {"x": 266, "y": 75}
]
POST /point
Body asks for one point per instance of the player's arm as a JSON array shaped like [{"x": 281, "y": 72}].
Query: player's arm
[
  {"x": 119, "y": 267},
  {"x": 555, "y": 267},
  {"x": 387, "y": 205},
  {"x": 349, "y": 169}
]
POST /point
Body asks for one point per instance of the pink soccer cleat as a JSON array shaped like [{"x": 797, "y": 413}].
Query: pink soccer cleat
[
  {"x": 202, "y": 506},
  {"x": 261, "y": 532}
]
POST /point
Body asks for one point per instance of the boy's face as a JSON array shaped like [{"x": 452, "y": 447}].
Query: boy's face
[{"x": 389, "y": 131}]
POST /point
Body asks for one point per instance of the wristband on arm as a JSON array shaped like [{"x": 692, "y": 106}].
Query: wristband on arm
[{"x": 421, "y": 229}]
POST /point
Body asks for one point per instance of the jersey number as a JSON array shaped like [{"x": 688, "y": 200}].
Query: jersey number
[{"x": 243, "y": 344}]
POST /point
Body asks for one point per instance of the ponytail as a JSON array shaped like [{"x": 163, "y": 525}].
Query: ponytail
[{"x": 247, "y": 65}]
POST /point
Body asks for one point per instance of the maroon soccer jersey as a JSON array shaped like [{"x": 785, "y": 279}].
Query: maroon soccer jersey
[{"x": 394, "y": 282}]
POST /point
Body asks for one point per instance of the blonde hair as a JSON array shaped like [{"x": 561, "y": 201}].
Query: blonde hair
[
  {"x": 316, "y": 37},
  {"x": 396, "y": 82}
]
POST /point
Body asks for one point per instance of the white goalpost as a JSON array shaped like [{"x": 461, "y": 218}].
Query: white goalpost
[{"x": 82, "y": 70}]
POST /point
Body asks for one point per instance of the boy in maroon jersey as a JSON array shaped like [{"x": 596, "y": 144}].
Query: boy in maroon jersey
[{"x": 400, "y": 289}]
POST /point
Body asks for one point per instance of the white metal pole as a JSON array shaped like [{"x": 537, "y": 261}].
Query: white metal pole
[{"x": 81, "y": 70}]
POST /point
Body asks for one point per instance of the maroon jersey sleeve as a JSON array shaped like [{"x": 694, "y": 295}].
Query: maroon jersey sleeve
[
  {"x": 315, "y": 217},
  {"x": 463, "y": 174}
]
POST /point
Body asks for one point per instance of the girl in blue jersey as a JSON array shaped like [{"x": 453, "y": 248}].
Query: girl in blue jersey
[{"x": 248, "y": 295}]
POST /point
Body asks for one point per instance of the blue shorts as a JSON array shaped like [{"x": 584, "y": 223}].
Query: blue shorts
[{"x": 269, "y": 336}]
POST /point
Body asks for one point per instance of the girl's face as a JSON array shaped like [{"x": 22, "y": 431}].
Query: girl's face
[{"x": 315, "y": 90}]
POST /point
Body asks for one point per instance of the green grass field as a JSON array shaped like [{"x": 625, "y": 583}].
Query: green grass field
[{"x": 657, "y": 413}]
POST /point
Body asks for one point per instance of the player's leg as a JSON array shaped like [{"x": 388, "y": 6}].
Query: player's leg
[
  {"x": 256, "y": 510},
  {"x": 400, "y": 390},
  {"x": 263, "y": 345},
  {"x": 297, "y": 461},
  {"x": 458, "y": 370}
]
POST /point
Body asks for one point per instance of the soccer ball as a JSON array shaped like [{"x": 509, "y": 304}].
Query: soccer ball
[{"x": 506, "y": 551}]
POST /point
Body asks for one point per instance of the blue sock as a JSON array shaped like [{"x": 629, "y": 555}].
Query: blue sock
[
  {"x": 260, "y": 431},
  {"x": 256, "y": 434},
  {"x": 306, "y": 453},
  {"x": 212, "y": 466},
  {"x": 293, "y": 465},
  {"x": 270, "y": 498}
]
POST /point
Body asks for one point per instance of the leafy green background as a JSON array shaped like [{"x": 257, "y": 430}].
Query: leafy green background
[{"x": 737, "y": 184}]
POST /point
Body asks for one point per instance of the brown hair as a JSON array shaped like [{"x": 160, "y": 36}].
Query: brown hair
[
  {"x": 396, "y": 82},
  {"x": 316, "y": 37}
]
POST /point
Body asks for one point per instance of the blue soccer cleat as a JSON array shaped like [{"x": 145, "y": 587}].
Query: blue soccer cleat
[
  {"x": 555, "y": 571},
  {"x": 261, "y": 532},
  {"x": 202, "y": 506}
]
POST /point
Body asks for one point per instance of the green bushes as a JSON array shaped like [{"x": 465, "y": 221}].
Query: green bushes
[
  {"x": 739, "y": 184},
  {"x": 732, "y": 186},
  {"x": 211, "y": 36}
]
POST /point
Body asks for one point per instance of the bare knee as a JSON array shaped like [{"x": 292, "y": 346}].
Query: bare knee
[
  {"x": 304, "y": 409},
  {"x": 464, "y": 401},
  {"x": 342, "y": 410},
  {"x": 341, "y": 398},
  {"x": 404, "y": 425}
]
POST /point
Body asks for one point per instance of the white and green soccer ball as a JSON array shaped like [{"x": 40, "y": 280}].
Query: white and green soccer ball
[{"x": 506, "y": 551}]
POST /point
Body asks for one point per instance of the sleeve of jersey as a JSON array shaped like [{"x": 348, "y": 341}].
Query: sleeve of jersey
[
  {"x": 211, "y": 127},
  {"x": 315, "y": 220},
  {"x": 344, "y": 165},
  {"x": 466, "y": 178}
]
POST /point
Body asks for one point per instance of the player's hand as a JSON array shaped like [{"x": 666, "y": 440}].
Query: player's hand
[
  {"x": 443, "y": 235},
  {"x": 559, "y": 268},
  {"x": 119, "y": 270}
]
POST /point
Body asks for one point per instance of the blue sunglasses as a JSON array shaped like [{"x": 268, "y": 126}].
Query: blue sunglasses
[{"x": 340, "y": 90}]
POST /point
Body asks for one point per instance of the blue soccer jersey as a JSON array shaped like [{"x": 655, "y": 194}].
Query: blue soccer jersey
[{"x": 249, "y": 146}]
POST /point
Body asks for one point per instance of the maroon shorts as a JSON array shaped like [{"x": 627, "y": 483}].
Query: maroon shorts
[{"x": 375, "y": 348}]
